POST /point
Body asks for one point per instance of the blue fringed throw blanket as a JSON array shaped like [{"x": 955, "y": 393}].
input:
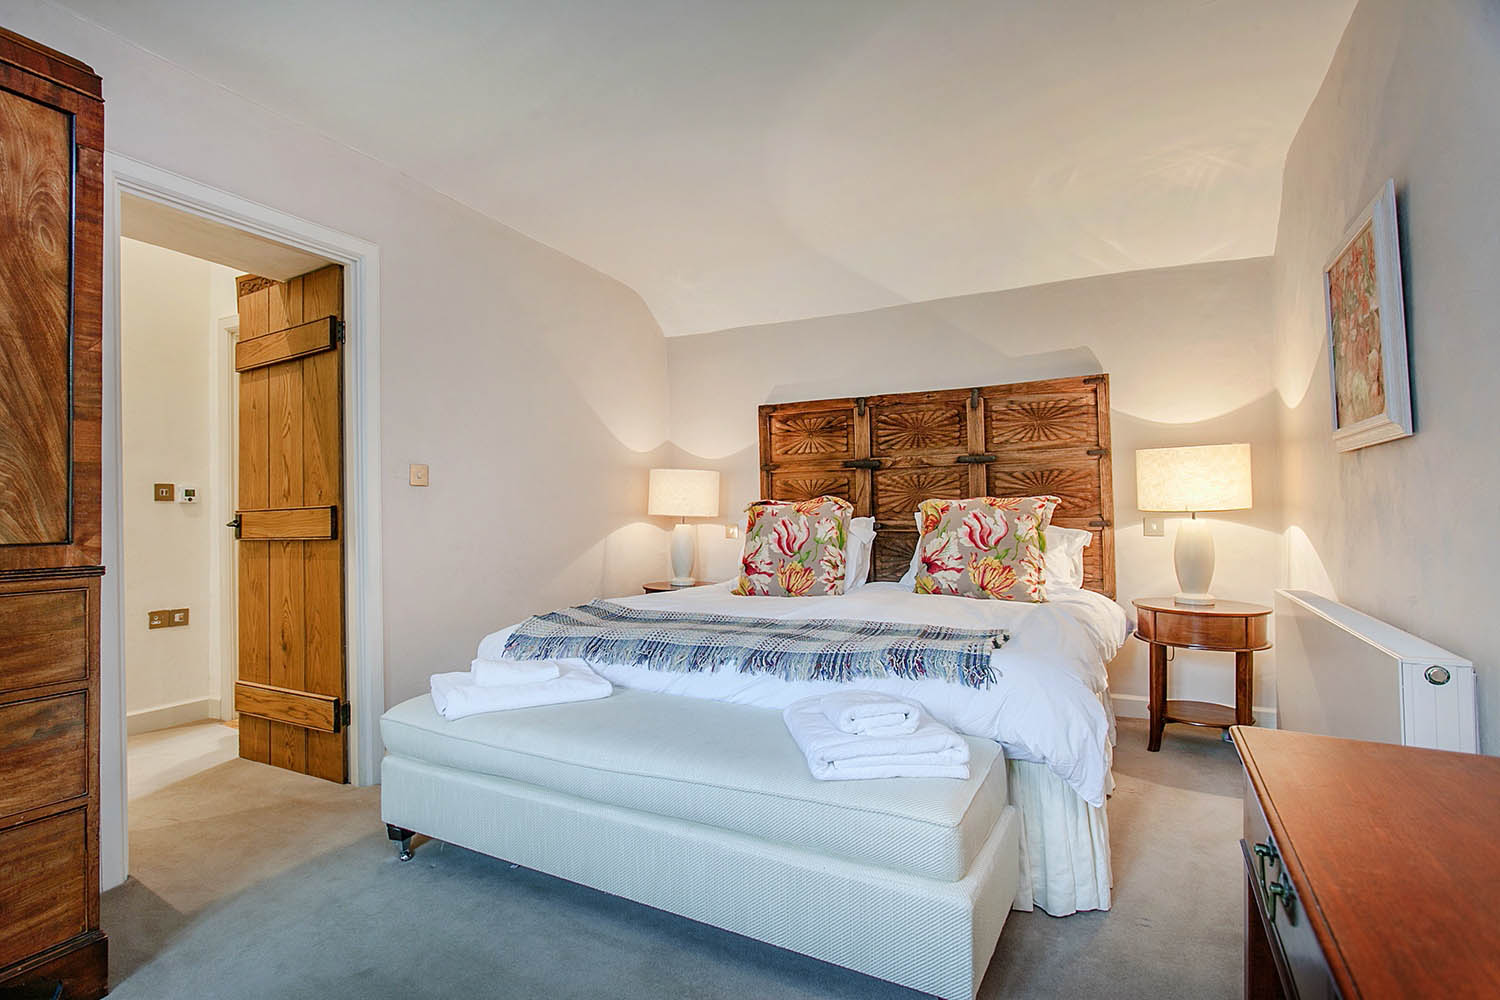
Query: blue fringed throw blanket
[{"x": 812, "y": 650}]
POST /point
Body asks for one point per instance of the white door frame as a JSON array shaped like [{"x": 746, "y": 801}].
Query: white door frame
[
  {"x": 224, "y": 409},
  {"x": 364, "y": 635}
]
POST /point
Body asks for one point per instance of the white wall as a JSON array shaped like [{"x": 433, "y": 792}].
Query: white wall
[
  {"x": 1404, "y": 531},
  {"x": 1187, "y": 352},
  {"x": 167, "y": 323},
  {"x": 534, "y": 386}
]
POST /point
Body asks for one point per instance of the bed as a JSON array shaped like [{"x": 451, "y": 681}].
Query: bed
[{"x": 683, "y": 790}]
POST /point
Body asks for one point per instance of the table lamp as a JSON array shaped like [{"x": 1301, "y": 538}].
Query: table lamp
[
  {"x": 1193, "y": 480},
  {"x": 683, "y": 493}
]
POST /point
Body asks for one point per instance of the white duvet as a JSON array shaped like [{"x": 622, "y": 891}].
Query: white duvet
[{"x": 1047, "y": 703}]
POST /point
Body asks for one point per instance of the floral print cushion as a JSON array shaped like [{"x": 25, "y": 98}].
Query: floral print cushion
[
  {"x": 795, "y": 549},
  {"x": 984, "y": 547}
]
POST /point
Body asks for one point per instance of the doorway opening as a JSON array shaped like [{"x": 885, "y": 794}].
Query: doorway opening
[
  {"x": 171, "y": 694},
  {"x": 177, "y": 321}
]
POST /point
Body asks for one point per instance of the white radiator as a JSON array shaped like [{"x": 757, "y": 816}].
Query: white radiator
[{"x": 1343, "y": 673}]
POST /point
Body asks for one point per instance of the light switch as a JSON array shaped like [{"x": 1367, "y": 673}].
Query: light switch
[
  {"x": 164, "y": 492},
  {"x": 731, "y": 531},
  {"x": 177, "y": 617},
  {"x": 1153, "y": 527},
  {"x": 157, "y": 619},
  {"x": 418, "y": 475}
]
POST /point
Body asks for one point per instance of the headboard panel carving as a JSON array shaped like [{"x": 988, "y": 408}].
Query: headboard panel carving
[{"x": 886, "y": 454}]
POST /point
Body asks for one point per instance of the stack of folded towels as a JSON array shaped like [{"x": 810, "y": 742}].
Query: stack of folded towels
[
  {"x": 497, "y": 685},
  {"x": 862, "y": 734}
]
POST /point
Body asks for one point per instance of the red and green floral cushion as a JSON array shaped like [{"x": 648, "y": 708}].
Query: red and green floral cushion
[
  {"x": 985, "y": 547},
  {"x": 795, "y": 549}
]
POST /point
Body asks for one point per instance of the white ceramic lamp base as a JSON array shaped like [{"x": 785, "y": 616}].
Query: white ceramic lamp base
[
  {"x": 1194, "y": 556},
  {"x": 683, "y": 543}
]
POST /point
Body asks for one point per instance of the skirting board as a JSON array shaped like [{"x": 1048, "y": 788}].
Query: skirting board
[
  {"x": 178, "y": 713},
  {"x": 1136, "y": 706}
]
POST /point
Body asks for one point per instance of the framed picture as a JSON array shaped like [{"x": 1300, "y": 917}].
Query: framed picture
[{"x": 1367, "y": 330}]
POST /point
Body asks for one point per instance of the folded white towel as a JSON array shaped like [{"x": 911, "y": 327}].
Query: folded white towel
[
  {"x": 456, "y": 695},
  {"x": 487, "y": 672},
  {"x": 931, "y": 751},
  {"x": 869, "y": 713}
]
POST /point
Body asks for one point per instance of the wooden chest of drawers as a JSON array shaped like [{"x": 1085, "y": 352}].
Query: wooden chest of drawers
[
  {"x": 49, "y": 782},
  {"x": 1371, "y": 870}
]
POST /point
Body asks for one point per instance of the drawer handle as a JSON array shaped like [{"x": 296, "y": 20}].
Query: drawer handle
[
  {"x": 1282, "y": 889},
  {"x": 1263, "y": 854},
  {"x": 1437, "y": 675}
]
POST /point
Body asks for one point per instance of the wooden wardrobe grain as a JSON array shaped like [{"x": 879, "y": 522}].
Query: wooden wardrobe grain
[{"x": 51, "y": 268}]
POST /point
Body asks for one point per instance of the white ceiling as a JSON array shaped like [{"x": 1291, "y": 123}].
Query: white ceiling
[{"x": 751, "y": 161}]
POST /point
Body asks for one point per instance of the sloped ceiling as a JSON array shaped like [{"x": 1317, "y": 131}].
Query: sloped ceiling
[{"x": 751, "y": 161}]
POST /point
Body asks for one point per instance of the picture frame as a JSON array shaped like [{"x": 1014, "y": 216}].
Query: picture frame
[{"x": 1370, "y": 388}]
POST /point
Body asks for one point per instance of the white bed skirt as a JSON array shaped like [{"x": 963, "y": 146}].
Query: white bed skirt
[{"x": 1064, "y": 843}]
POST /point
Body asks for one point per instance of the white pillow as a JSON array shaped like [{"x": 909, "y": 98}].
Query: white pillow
[
  {"x": 858, "y": 552},
  {"x": 910, "y": 579},
  {"x": 1064, "y": 556}
]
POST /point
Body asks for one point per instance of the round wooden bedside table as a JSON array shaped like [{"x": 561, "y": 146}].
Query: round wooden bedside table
[
  {"x": 1226, "y": 626},
  {"x": 661, "y": 586}
]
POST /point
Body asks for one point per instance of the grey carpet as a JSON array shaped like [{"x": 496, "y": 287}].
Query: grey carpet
[{"x": 250, "y": 882}]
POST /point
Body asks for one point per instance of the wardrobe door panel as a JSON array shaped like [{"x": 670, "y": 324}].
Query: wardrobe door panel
[{"x": 36, "y": 194}]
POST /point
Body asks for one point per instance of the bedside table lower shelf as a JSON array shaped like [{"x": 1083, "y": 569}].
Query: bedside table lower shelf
[{"x": 1202, "y": 713}]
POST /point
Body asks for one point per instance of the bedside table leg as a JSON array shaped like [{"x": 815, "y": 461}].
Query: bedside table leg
[
  {"x": 1158, "y": 694},
  {"x": 1244, "y": 688}
]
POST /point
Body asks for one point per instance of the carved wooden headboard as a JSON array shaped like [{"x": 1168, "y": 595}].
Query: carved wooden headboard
[{"x": 886, "y": 454}]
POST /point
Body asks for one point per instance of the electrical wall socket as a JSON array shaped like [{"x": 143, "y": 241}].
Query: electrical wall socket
[
  {"x": 157, "y": 619},
  {"x": 163, "y": 492},
  {"x": 1153, "y": 527},
  {"x": 177, "y": 617},
  {"x": 418, "y": 475}
]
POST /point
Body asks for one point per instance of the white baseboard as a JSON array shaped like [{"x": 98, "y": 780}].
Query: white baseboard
[
  {"x": 178, "y": 713},
  {"x": 1136, "y": 706}
]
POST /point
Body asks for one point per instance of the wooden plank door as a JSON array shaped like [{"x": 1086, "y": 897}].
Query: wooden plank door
[{"x": 291, "y": 691}]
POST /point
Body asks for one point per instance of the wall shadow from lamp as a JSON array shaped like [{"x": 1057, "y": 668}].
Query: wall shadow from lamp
[{"x": 1191, "y": 481}]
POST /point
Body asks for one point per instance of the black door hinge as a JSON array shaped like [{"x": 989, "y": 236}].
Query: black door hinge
[
  {"x": 338, "y": 330},
  {"x": 340, "y": 715}
]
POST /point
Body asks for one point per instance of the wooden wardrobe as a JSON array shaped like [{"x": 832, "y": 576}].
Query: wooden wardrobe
[{"x": 51, "y": 267}]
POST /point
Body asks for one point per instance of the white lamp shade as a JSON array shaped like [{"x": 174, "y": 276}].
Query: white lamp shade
[
  {"x": 1201, "y": 478},
  {"x": 684, "y": 493}
]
